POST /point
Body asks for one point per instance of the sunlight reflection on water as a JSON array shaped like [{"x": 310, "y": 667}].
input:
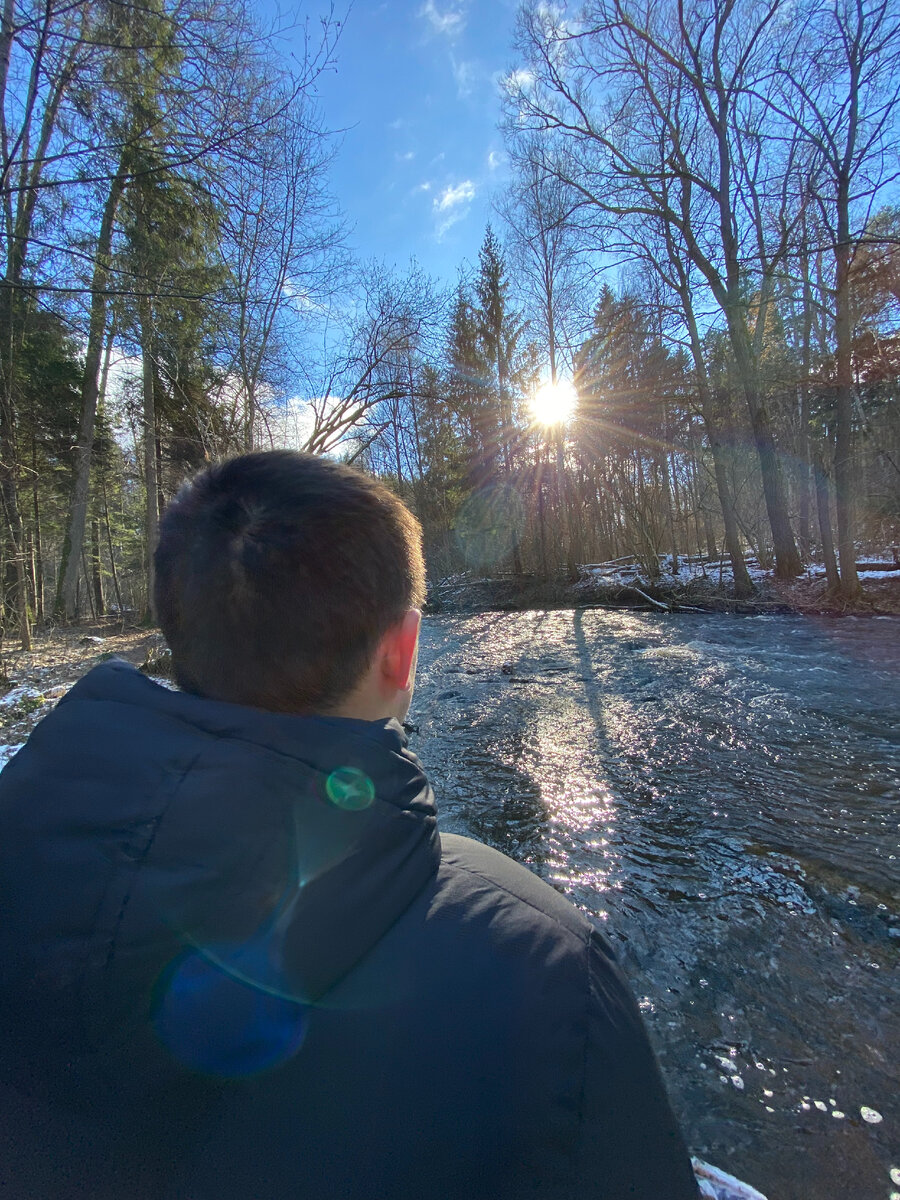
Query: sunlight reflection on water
[{"x": 725, "y": 790}]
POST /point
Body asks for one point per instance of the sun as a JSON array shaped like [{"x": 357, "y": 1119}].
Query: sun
[{"x": 553, "y": 403}]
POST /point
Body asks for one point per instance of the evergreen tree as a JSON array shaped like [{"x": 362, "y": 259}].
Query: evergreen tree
[
  {"x": 169, "y": 230},
  {"x": 499, "y": 330}
]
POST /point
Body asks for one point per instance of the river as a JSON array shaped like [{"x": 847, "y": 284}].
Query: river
[{"x": 723, "y": 794}]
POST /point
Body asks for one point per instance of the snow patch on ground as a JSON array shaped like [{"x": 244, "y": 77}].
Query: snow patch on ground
[
  {"x": 629, "y": 571},
  {"x": 818, "y": 572},
  {"x": 6, "y": 753},
  {"x": 169, "y": 684},
  {"x": 624, "y": 572},
  {"x": 18, "y": 694}
]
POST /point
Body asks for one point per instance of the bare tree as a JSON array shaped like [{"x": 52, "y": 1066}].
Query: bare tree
[
  {"x": 551, "y": 270},
  {"x": 187, "y": 93},
  {"x": 840, "y": 87},
  {"x": 607, "y": 91},
  {"x": 363, "y": 364},
  {"x": 279, "y": 235},
  {"x": 44, "y": 49}
]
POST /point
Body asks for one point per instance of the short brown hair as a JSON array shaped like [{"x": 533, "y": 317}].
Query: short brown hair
[{"x": 277, "y": 574}]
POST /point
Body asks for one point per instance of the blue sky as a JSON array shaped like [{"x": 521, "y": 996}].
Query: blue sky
[{"x": 417, "y": 91}]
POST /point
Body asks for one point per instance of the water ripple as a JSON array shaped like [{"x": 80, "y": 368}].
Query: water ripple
[{"x": 722, "y": 793}]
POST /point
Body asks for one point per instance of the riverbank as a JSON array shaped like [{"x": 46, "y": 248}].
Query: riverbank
[
  {"x": 37, "y": 678},
  {"x": 698, "y": 586}
]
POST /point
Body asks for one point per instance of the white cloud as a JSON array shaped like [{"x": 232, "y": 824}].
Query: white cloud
[
  {"x": 516, "y": 81},
  {"x": 452, "y": 196},
  {"x": 298, "y": 296},
  {"x": 424, "y": 186},
  {"x": 407, "y": 157},
  {"x": 450, "y": 22},
  {"x": 453, "y": 203},
  {"x": 465, "y": 72},
  {"x": 291, "y": 422},
  {"x": 449, "y": 221}
]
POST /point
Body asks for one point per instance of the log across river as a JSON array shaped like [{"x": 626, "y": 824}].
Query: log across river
[{"x": 724, "y": 794}]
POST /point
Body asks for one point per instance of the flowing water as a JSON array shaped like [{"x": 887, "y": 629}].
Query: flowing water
[{"x": 724, "y": 795}]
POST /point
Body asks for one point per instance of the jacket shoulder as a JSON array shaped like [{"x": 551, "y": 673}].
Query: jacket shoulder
[{"x": 477, "y": 870}]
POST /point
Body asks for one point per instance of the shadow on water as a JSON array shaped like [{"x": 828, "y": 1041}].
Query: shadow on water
[
  {"x": 723, "y": 794},
  {"x": 591, "y": 689},
  {"x": 514, "y": 820}
]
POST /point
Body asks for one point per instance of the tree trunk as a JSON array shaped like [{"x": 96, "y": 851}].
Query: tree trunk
[
  {"x": 30, "y": 578},
  {"x": 15, "y": 537},
  {"x": 87, "y": 584},
  {"x": 565, "y": 528},
  {"x": 38, "y": 540},
  {"x": 96, "y": 573},
  {"x": 806, "y": 367},
  {"x": 112, "y": 554},
  {"x": 160, "y": 497},
  {"x": 12, "y": 330},
  {"x": 712, "y": 550},
  {"x": 670, "y": 512},
  {"x": 151, "y": 510},
  {"x": 743, "y": 584},
  {"x": 541, "y": 522},
  {"x": 823, "y": 508},
  {"x": 787, "y": 560},
  {"x": 695, "y": 494},
  {"x": 803, "y": 473},
  {"x": 844, "y": 474},
  {"x": 74, "y": 540}
]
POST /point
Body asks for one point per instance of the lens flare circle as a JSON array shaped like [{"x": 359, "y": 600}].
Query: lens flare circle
[
  {"x": 218, "y": 1012},
  {"x": 488, "y": 525},
  {"x": 553, "y": 403},
  {"x": 350, "y": 789}
]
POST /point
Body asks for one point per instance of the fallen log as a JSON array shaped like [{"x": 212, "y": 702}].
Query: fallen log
[{"x": 649, "y": 599}]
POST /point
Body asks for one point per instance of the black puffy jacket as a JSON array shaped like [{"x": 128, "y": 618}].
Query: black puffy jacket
[{"x": 239, "y": 961}]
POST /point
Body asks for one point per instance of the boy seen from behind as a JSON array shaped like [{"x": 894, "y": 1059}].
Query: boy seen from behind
[{"x": 240, "y": 960}]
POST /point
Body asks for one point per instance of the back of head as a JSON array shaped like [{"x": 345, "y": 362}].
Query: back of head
[{"x": 277, "y": 574}]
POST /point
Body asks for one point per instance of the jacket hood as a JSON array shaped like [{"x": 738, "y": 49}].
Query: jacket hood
[{"x": 157, "y": 847}]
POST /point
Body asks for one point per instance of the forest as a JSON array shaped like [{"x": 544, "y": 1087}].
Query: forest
[{"x": 680, "y": 338}]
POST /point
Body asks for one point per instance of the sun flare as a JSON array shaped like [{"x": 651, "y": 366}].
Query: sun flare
[{"x": 553, "y": 403}]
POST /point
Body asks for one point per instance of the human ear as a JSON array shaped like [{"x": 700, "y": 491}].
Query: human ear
[{"x": 401, "y": 646}]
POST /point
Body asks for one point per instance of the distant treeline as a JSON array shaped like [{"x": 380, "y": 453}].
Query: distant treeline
[{"x": 700, "y": 230}]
